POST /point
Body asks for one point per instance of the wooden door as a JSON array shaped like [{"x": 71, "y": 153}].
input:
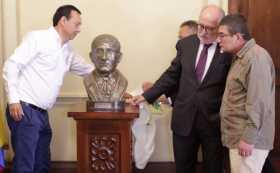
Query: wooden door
[{"x": 263, "y": 20}]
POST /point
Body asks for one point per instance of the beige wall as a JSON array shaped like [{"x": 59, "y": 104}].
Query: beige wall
[
  {"x": 9, "y": 40},
  {"x": 1, "y": 54},
  {"x": 147, "y": 31}
]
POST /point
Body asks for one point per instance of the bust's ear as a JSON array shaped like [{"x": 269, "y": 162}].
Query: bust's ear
[
  {"x": 91, "y": 56},
  {"x": 119, "y": 57}
]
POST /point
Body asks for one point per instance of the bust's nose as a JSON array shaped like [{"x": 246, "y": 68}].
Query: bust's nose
[{"x": 104, "y": 56}]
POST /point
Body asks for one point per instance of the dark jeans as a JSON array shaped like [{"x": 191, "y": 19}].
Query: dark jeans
[
  {"x": 186, "y": 147},
  {"x": 31, "y": 137}
]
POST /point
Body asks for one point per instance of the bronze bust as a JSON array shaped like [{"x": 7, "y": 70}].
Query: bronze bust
[{"x": 105, "y": 83}]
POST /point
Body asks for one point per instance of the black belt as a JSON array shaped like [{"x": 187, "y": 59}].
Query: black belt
[{"x": 33, "y": 106}]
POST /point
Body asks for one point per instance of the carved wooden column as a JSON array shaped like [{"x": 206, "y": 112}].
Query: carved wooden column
[{"x": 104, "y": 141}]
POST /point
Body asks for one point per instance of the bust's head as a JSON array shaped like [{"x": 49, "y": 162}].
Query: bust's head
[{"x": 105, "y": 53}]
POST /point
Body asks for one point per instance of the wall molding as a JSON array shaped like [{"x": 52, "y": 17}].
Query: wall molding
[{"x": 71, "y": 98}]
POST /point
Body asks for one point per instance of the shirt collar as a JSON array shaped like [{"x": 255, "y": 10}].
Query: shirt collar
[
  {"x": 247, "y": 46},
  {"x": 212, "y": 44}
]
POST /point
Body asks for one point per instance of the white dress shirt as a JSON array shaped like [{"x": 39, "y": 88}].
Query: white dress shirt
[
  {"x": 34, "y": 72},
  {"x": 210, "y": 55}
]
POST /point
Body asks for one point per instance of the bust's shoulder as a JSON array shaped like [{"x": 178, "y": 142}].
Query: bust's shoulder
[{"x": 90, "y": 78}]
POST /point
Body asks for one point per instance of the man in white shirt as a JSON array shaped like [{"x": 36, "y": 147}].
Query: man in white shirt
[{"x": 33, "y": 76}]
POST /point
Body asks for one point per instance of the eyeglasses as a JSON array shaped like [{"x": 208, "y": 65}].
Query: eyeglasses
[
  {"x": 222, "y": 35},
  {"x": 207, "y": 29}
]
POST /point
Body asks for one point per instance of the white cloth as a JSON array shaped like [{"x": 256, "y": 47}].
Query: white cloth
[
  {"x": 144, "y": 131},
  {"x": 251, "y": 164},
  {"x": 34, "y": 72},
  {"x": 210, "y": 55}
]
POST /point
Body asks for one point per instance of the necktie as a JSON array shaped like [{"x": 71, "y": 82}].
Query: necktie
[{"x": 200, "y": 67}]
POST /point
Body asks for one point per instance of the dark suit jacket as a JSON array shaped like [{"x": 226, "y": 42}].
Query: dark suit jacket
[{"x": 193, "y": 97}]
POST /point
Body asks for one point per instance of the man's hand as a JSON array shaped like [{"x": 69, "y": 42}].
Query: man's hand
[
  {"x": 136, "y": 100},
  {"x": 146, "y": 86},
  {"x": 245, "y": 149},
  {"x": 127, "y": 96},
  {"x": 16, "y": 111}
]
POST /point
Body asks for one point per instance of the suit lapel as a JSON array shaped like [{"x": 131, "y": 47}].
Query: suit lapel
[{"x": 193, "y": 59}]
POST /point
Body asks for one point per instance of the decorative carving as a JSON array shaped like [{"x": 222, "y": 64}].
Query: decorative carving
[{"x": 103, "y": 152}]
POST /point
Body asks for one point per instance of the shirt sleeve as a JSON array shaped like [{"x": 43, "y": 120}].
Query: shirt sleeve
[
  {"x": 261, "y": 81},
  {"x": 79, "y": 66},
  {"x": 22, "y": 55}
]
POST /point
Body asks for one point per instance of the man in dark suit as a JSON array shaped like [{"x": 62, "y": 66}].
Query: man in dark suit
[
  {"x": 186, "y": 29},
  {"x": 200, "y": 70}
]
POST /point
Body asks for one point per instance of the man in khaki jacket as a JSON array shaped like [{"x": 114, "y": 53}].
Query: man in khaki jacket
[{"x": 248, "y": 106}]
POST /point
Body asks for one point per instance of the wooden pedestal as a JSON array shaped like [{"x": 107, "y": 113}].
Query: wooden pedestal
[{"x": 104, "y": 140}]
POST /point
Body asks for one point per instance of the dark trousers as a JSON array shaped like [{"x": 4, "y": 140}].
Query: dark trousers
[
  {"x": 30, "y": 137},
  {"x": 186, "y": 147},
  {"x": 268, "y": 166}
]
